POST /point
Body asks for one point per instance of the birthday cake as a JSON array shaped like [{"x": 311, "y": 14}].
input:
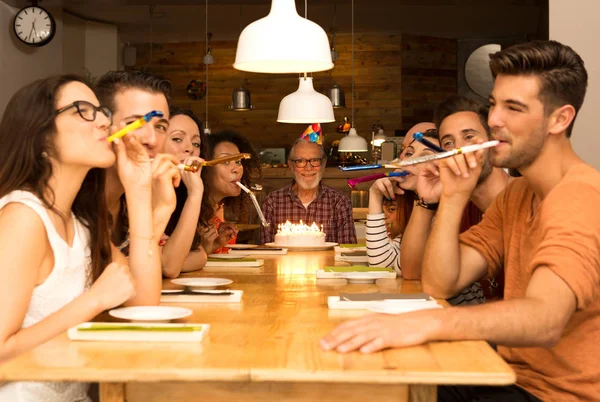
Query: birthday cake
[{"x": 299, "y": 235}]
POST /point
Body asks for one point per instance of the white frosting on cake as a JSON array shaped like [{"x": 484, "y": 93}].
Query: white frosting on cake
[{"x": 300, "y": 235}]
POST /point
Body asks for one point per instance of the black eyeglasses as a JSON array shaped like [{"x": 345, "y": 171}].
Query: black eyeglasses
[
  {"x": 87, "y": 111},
  {"x": 314, "y": 162}
]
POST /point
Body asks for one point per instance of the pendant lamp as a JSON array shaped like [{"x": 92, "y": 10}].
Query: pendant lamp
[
  {"x": 283, "y": 42},
  {"x": 306, "y": 105},
  {"x": 353, "y": 142},
  {"x": 240, "y": 98},
  {"x": 379, "y": 138},
  {"x": 335, "y": 93},
  {"x": 208, "y": 59}
]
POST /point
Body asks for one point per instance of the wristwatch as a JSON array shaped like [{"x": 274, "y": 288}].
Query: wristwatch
[{"x": 424, "y": 204}]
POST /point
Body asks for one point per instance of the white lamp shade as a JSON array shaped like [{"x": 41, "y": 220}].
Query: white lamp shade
[
  {"x": 305, "y": 105},
  {"x": 379, "y": 139},
  {"x": 353, "y": 143},
  {"x": 283, "y": 42}
]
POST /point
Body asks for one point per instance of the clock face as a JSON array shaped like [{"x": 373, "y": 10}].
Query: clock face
[{"x": 34, "y": 26}]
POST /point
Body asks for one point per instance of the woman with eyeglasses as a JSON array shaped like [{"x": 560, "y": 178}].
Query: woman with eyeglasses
[
  {"x": 221, "y": 191},
  {"x": 57, "y": 265},
  {"x": 390, "y": 205}
]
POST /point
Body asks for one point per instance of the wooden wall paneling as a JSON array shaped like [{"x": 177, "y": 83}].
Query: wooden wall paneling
[{"x": 398, "y": 82}]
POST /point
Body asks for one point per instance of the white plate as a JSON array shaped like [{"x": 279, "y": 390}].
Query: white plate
[
  {"x": 205, "y": 283},
  {"x": 150, "y": 313},
  {"x": 228, "y": 256},
  {"x": 325, "y": 246},
  {"x": 361, "y": 278},
  {"x": 241, "y": 246},
  {"x": 167, "y": 291}
]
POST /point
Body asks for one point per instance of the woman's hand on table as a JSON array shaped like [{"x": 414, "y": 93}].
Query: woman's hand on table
[{"x": 381, "y": 331}]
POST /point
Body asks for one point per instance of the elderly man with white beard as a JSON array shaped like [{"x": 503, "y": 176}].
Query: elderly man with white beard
[{"x": 307, "y": 199}]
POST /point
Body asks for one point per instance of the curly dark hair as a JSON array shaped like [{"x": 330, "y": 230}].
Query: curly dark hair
[
  {"x": 238, "y": 206},
  {"x": 181, "y": 191}
]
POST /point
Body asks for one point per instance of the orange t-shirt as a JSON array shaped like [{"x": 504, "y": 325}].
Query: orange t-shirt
[{"x": 563, "y": 234}]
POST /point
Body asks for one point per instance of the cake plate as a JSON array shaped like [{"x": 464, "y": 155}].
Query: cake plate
[{"x": 326, "y": 246}]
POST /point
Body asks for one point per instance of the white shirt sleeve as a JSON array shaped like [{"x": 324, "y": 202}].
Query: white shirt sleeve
[{"x": 381, "y": 250}]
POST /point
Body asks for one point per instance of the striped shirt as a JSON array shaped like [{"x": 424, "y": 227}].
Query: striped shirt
[{"x": 381, "y": 250}]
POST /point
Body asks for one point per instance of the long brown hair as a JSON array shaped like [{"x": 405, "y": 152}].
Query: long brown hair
[
  {"x": 181, "y": 191},
  {"x": 27, "y": 132},
  {"x": 238, "y": 205}
]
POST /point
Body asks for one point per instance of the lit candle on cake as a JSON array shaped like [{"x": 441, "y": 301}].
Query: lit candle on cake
[{"x": 292, "y": 234}]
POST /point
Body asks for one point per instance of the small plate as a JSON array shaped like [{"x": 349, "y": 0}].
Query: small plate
[
  {"x": 228, "y": 256},
  {"x": 360, "y": 279},
  {"x": 169, "y": 291},
  {"x": 203, "y": 283},
  {"x": 150, "y": 313},
  {"x": 326, "y": 246},
  {"x": 241, "y": 246}
]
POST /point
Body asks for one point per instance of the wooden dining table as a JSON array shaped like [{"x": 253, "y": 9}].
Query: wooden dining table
[{"x": 265, "y": 348}]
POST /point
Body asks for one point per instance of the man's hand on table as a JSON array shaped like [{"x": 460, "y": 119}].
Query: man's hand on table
[{"x": 375, "y": 332}]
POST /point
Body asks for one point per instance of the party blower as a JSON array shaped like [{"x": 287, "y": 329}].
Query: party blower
[
  {"x": 353, "y": 182},
  {"x": 418, "y": 136},
  {"x": 197, "y": 164},
  {"x": 259, "y": 211},
  {"x": 442, "y": 155},
  {"x": 135, "y": 125}
]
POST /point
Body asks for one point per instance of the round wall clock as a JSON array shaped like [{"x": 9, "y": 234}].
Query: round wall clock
[{"x": 34, "y": 26}]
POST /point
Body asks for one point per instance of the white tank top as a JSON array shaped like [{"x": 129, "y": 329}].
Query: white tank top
[{"x": 69, "y": 278}]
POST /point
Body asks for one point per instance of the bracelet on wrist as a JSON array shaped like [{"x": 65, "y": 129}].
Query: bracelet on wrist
[{"x": 424, "y": 204}]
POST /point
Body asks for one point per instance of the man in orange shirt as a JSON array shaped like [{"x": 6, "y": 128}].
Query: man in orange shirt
[{"x": 544, "y": 228}]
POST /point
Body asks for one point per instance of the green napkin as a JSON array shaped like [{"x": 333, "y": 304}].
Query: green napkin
[
  {"x": 356, "y": 268},
  {"x": 145, "y": 327},
  {"x": 216, "y": 259},
  {"x": 352, "y": 245}
]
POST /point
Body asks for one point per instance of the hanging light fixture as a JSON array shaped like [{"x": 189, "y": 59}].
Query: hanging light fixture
[
  {"x": 305, "y": 105},
  {"x": 335, "y": 93},
  {"x": 283, "y": 42},
  {"x": 334, "y": 53},
  {"x": 240, "y": 98},
  {"x": 208, "y": 59},
  {"x": 336, "y": 96},
  {"x": 353, "y": 142},
  {"x": 378, "y": 138}
]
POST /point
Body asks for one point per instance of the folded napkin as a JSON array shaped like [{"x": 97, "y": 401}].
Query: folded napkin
[
  {"x": 357, "y": 268},
  {"x": 141, "y": 327},
  {"x": 383, "y": 296},
  {"x": 215, "y": 259}
]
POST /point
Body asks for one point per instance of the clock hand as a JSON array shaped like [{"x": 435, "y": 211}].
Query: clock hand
[{"x": 30, "y": 32}]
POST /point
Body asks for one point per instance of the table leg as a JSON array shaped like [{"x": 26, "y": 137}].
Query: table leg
[
  {"x": 112, "y": 392},
  {"x": 423, "y": 393}
]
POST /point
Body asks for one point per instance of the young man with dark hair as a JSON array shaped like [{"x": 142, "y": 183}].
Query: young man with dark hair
[
  {"x": 543, "y": 229},
  {"x": 130, "y": 95},
  {"x": 461, "y": 121}
]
